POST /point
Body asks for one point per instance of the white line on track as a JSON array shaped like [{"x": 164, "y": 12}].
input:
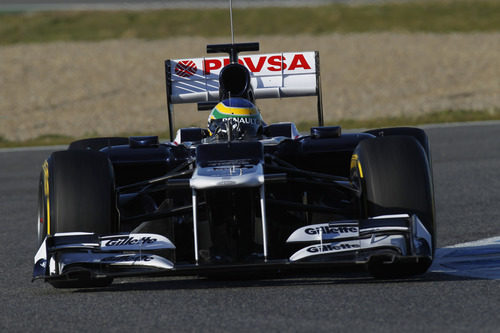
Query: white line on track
[{"x": 479, "y": 259}]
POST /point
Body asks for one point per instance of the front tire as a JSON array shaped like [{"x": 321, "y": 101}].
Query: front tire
[
  {"x": 77, "y": 194},
  {"x": 395, "y": 176}
]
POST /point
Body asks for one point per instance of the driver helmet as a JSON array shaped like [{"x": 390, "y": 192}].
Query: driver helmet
[{"x": 241, "y": 115}]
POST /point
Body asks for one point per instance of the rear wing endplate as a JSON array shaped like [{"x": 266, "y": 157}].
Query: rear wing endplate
[{"x": 274, "y": 75}]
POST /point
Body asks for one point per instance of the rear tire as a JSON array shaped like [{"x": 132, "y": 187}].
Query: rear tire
[
  {"x": 97, "y": 143},
  {"x": 77, "y": 194},
  {"x": 396, "y": 178}
]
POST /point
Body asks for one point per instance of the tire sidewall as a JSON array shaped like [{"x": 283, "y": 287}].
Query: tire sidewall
[
  {"x": 394, "y": 176},
  {"x": 81, "y": 191}
]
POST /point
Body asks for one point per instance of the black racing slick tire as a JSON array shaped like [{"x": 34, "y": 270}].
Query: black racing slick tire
[
  {"x": 97, "y": 143},
  {"x": 77, "y": 194},
  {"x": 395, "y": 176},
  {"x": 417, "y": 133}
]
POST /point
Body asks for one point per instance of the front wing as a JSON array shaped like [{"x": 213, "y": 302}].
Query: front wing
[{"x": 393, "y": 238}]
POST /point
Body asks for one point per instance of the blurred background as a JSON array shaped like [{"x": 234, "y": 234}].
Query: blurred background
[{"x": 72, "y": 69}]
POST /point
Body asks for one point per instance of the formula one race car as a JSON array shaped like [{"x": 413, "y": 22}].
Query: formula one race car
[{"x": 240, "y": 196}]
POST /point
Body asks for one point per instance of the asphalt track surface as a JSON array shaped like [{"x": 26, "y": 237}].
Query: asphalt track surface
[
  {"x": 43, "y": 5},
  {"x": 467, "y": 184}
]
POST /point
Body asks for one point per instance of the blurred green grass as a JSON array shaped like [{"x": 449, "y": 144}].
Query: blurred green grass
[{"x": 432, "y": 16}]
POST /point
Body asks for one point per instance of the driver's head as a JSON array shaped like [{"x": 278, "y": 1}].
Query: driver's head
[{"x": 241, "y": 115}]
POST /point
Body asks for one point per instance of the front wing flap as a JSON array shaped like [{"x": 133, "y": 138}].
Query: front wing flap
[
  {"x": 100, "y": 255},
  {"x": 400, "y": 237},
  {"x": 401, "y": 234}
]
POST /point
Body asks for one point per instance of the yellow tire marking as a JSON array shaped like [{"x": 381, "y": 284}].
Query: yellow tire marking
[
  {"x": 45, "y": 168},
  {"x": 360, "y": 170},
  {"x": 356, "y": 164}
]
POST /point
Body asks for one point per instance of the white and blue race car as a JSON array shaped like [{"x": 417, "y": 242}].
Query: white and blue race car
[{"x": 240, "y": 195}]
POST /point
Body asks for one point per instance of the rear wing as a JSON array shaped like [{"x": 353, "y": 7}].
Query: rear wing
[{"x": 274, "y": 75}]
